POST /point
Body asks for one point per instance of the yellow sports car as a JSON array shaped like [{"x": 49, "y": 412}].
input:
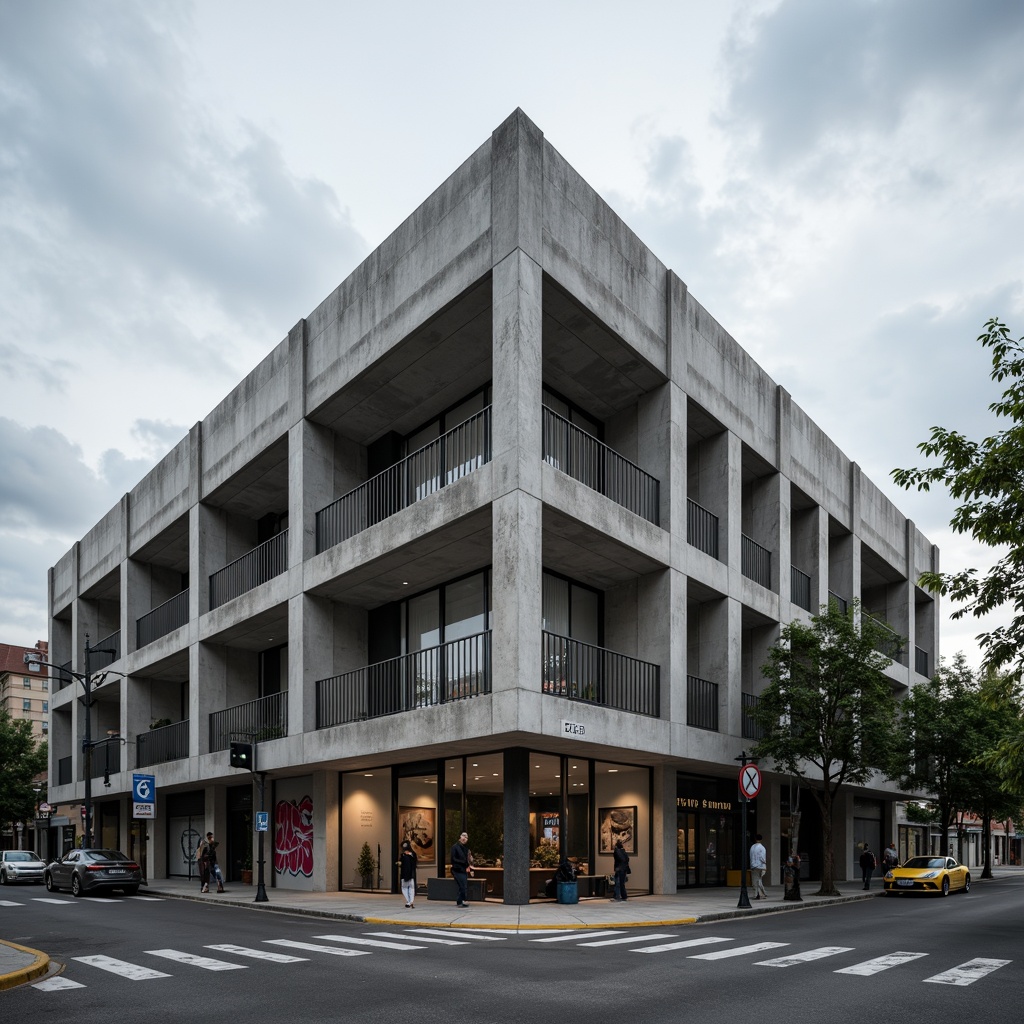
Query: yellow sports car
[{"x": 928, "y": 874}]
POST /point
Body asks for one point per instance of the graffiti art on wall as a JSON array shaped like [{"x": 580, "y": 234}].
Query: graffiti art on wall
[{"x": 293, "y": 837}]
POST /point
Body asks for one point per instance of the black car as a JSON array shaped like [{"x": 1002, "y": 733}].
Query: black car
[{"x": 86, "y": 871}]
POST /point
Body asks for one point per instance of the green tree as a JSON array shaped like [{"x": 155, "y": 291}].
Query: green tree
[
  {"x": 1005, "y": 758},
  {"x": 985, "y": 477},
  {"x": 21, "y": 760},
  {"x": 828, "y": 711}
]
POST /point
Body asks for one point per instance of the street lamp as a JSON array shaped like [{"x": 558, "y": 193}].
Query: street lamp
[{"x": 87, "y": 743}]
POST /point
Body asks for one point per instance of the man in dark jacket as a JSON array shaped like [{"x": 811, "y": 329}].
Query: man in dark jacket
[
  {"x": 461, "y": 867},
  {"x": 867, "y": 866},
  {"x": 620, "y": 860}
]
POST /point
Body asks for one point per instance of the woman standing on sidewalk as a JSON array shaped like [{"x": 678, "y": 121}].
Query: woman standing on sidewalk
[
  {"x": 407, "y": 872},
  {"x": 621, "y": 867}
]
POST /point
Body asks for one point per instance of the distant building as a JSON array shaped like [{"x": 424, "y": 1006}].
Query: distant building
[
  {"x": 496, "y": 538},
  {"x": 25, "y": 688}
]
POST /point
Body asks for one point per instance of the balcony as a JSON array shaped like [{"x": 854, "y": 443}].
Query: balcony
[
  {"x": 889, "y": 643},
  {"x": 452, "y": 671},
  {"x": 64, "y": 677},
  {"x": 452, "y": 456},
  {"x": 840, "y": 602},
  {"x": 581, "y": 456},
  {"x": 163, "y": 619},
  {"x": 701, "y": 528},
  {"x": 751, "y": 729},
  {"x": 105, "y": 757},
  {"x": 594, "y": 675},
  {"x": 921, "y": 660},
  {"x": 168, "y": 743},
  {"x": 263, "y": 563},
  {"x": 265, "y": 718},
  {"x": 701, "y": 703},
  {"x": 800, "y": 588},
  {"x": 65, "y": 772},
  {"x": 755, "y": 562},
  {"x": 111, "y": 642}
]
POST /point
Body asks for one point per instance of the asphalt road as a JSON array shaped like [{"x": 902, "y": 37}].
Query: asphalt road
[{"x": 162, "y": 960}]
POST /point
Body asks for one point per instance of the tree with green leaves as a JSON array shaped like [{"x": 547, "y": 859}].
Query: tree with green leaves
[
  {"x": 985, "y": 477},
  {"x": 828, "y": 711},
  {"x": 1005, "y": 759},
  {"x": 21, "y": 760}
]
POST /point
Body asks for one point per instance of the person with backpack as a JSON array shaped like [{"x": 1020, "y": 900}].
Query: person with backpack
[
  {"x": 890, "y": 858},
  {"x": 867, "y": 866}
]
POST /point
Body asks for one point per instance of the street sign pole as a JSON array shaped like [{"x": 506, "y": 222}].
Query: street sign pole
[{"x": 745, "y": 784}]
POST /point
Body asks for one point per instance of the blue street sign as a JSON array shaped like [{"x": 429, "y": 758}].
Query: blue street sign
[
  {"x": 262, "y": 821},
  {"x": 144, "y": 788}
]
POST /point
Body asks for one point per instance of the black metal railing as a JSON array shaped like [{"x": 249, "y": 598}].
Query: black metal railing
[
  {"x": 594, "y": 675},
  {"x": 841, "y": 603},
  {"x": 452, "y": 456},
  {"x": 584, "y": 458},
  {"x": 167, "y": 743},
  {"x": 105, "y": 757},
  {"x": 265, "y": 718},
  {"x": 64, "y": 677},
  {"x": 65, "y": 773},
  {"x": 451, "y": 671},
  {"x": 800, "y": 588},
  {"x": 751, "y": 729},
  {"x": 701, "y": 703},
  {"x": 889, "y": 643},
  {"x": 921, "y": 660},
  {"x": 263, "y": 563},
  {"x": 755, "y": 561},
  {"x": 701, "y": 528},
  {"x": 163, "y": 619},
  {"x": 111, "y": 642}
]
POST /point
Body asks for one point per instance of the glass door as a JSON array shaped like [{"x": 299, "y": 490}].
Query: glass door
[{"x": 686, "y": 849}]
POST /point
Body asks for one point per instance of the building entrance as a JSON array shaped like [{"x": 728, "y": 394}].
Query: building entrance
[{"x": 707, "y": 844}]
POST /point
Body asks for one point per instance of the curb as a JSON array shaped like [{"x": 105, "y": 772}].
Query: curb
[{"x": 23, "y": 974}]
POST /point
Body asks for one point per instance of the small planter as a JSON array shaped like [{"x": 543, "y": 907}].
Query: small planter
[{"x": 246, "y": 876}]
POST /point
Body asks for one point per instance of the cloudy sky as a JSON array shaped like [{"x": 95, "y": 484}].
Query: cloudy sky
[{"x": 837, "y": 181}]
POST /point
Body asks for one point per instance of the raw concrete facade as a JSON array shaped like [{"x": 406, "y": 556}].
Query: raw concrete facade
[{"x": 247, "y": 579}]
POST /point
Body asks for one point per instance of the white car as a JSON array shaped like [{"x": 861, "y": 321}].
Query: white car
[{"x": 20, "y": 866}]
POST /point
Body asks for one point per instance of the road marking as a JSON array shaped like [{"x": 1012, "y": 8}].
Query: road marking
[
  {"x": 133, "y": 972},
  {"x": 684, "y": 944},
  {"x": 195, "y": 960},
  {"x": 292, "y": 944},
  {"x": 60, "y": 903},
  {"x": 628, "y": 938},
  {"x": 880, "y": 963},
  {"x": 721, "y": 954},
  {"x": 432, "y": 938},
  {"x": 56, "y": 984},
  {"x": 258, "y": 954},
  {"x": 462, "y": 931},
  {"x": 355, "y": 940},
  {"x": 147, "y": 899},
  {"x": 575, "y": 935},
  {"x": 802, "y": 958},
  {"x": 8, "y": 903},
  {"x": 968, "y": 973}
]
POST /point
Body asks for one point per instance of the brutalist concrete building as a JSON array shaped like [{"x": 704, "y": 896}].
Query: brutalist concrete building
[{"x": 496, "y": 538}]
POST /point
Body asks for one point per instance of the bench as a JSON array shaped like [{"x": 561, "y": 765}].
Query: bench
[
  {"x": 447, "y": 889},
  {"x": 592, "y": 885}
]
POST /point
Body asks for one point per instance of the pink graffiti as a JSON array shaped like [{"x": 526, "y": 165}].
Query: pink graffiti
[{"x": 293, "y": 837}]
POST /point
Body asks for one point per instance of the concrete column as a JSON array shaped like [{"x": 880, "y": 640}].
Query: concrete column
[
  {"x": 325, "y": 831},
  {"x": 516, "y": 850},
  {"x": 310, "y": 657},
  {"x": 664, "y": 879}
]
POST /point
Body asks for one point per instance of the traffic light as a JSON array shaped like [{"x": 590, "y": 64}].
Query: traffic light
[{"x": 241, "y": 755}]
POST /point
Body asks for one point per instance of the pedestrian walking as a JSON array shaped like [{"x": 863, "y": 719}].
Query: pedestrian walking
[
  {"x": 791, "y": 878},
  {"x": 203, "y": 862},
  {"x": 462, "y": 867},
  {"x": 407, "y": 873},
  {"x": 758, "y": 866},
  {"x": 620, "y": 861},
  {"x": 867, "y": 866},
  {"x": 211, "y": 856}
]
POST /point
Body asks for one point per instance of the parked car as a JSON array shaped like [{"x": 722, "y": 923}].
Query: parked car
[
  {"x": 87, "y": 871},
  {"x": 20, "y": 866},
  {"x": 928, "y": 874}
]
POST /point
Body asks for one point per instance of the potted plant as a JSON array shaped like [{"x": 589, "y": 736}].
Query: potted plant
[{"x": 366, "y": 866}]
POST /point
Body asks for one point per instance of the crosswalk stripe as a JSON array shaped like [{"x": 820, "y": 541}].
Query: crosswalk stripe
[
  {"x": 802, "y": 958},
  {"x": 312, "y": 946},
  {"x": 133, "y": 972},
  {"x": 968, "y": 973},
  {"x": 721, "y": 954},
  {"x": 56, "y": 984},
  {"x": 207, "y": 963},
  {"x": 628, "y": 938},
  {"x": 575, "y": 935},
  {"x": 462, "y": 931},
  {"x": 8, "y": 903},
  {"x": 432, "y": 938},
  {"x": 62, "y": 903},
  {"x": 147, "y": 899},
  {"x": 356, "y": 940},
  {"x": 880, "y": 963},
  {"x": 684, "y": 944},
  {"x": 258, "y": 954}
]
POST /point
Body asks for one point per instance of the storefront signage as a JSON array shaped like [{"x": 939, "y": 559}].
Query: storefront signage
[
  {"x": 143, "y": 796},
  {"x": 690, "y": 803},
  {"x": 573, "y": 728}
]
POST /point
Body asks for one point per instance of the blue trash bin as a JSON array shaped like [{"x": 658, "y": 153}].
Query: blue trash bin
[{"x": 568, "y": 892}]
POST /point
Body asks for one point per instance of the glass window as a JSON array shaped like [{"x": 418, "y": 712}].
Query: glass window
[
  {"x": 485, "y": 808},
  {"x": 26, "y": 705},
  {"x": 46, "y": 705},
  {"x": 555, "y": 604},
  {"x": 465, "y": 607},
  {"x": 26, "y": 682}
]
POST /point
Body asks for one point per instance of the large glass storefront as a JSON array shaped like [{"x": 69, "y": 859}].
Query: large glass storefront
[
  {"x": 577, "y": 808},
  {"x": 708, "y": 834}
]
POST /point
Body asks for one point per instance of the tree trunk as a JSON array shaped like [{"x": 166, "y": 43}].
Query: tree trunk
[
  {"x": 828, "y": 885},
  {"x": 986, "y": 842}
]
